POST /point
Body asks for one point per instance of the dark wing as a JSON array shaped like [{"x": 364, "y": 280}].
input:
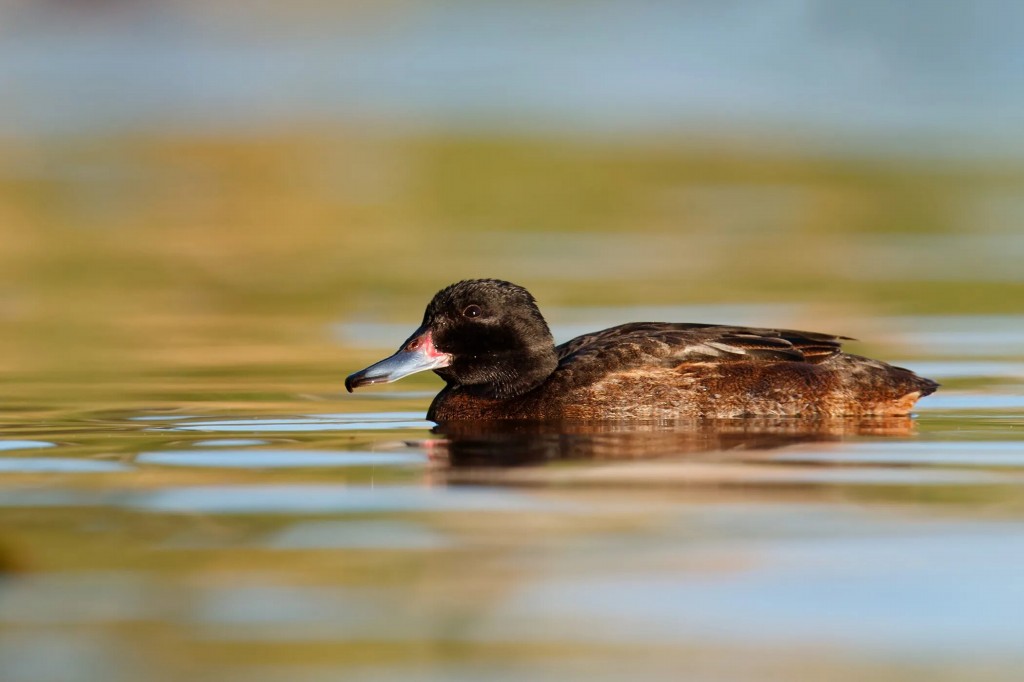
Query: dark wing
[{"x": 663, "y": 344}]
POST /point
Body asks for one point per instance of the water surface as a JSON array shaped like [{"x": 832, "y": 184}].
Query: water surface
[
  {"x": 186, "y": 492},
  {"x": 328, "y": 536}
]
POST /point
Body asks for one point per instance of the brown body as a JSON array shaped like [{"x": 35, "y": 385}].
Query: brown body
[
  {"x": 669, "y": 371},
  {"x": 489, "y": 342},
  {"x": 845, "y": 386}
]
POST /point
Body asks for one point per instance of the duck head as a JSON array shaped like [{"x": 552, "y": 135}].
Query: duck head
[{"x": 485, "y": 335}]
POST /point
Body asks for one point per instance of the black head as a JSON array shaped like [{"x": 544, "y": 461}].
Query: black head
[{"x": 485, "y": 335}]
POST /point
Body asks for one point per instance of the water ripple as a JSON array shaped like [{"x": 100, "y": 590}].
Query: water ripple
[
  {"x": 374, "y": 421},
  {"x": 52, "y": 465},
  {"x": 921, "y": 453},
  {"x": 278, "y": 459},
  {"x": 24, "y": 444}
]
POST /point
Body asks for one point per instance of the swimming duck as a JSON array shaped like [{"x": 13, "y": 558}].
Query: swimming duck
[{"x": 489, "y": 342}]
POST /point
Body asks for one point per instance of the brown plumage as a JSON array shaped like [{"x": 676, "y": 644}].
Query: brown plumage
[{"x": 488, "y": 340}]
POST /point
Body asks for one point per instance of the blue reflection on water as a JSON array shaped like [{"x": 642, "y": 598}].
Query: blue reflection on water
[
  {"x": 921, "y": 453},
  {"x": 287, "y": 499},
  {"x": 24, "y": 444},
  {"x": 373, "y": 421},
  {"x": 277, "y": 459},
  {"x": 953, "y": 400},
  {"x": 228, "y": 442},
  {"x": 53, "y": 465},
  {"x": 380, "y": 534},
  {"x": 942, "y": 593}
]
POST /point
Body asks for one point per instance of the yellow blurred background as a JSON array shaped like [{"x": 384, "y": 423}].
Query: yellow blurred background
[{"x": 186, "y": 185}]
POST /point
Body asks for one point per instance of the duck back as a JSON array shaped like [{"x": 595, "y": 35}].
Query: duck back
[{"x": 670, "y": 371}]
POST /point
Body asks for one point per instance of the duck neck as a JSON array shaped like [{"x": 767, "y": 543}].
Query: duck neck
[{"x": 517, "y": 373}]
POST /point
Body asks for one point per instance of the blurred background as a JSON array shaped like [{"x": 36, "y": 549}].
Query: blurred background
[
  {"x": 211, "y": 212},
  {"x": 189, "y": 184}
]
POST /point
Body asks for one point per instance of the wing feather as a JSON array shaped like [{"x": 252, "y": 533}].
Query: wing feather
[{"x": 660, "y": 344}]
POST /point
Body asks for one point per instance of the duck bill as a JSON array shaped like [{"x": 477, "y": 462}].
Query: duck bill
[{"x": 417, "y": 354}]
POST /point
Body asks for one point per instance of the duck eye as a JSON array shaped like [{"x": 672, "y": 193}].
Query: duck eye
[{"x": 471, "y": 311}]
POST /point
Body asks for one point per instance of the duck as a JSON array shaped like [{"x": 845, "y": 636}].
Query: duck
[{"x": 489, "y": 342}]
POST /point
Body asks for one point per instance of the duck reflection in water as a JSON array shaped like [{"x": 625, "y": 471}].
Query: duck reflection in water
[
  {"x": 469, "y": 444},
  {"x": 636, "y": 391}
]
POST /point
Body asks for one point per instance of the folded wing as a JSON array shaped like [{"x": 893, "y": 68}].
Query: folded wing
[{"x": 661, "y": 344}]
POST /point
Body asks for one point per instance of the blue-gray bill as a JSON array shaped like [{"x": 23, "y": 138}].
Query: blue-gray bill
[{"x": 418, "y": 354}]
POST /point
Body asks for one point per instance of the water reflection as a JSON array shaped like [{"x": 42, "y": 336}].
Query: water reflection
[
  {"x": 513, "y": 444},
  {"x": 321, "y": 422},
  {"x": 24, "y": 444},
  {"x": 274, "y": 459},
  {"x": 55, "y": 465}
]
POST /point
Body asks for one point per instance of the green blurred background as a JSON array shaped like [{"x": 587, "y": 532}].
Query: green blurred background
[{"x": 189, "y": 186}]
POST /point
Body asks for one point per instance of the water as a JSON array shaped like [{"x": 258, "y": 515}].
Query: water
[
  {"x": 186, "y": 492},
  {"x": 278, "y": 541}
]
